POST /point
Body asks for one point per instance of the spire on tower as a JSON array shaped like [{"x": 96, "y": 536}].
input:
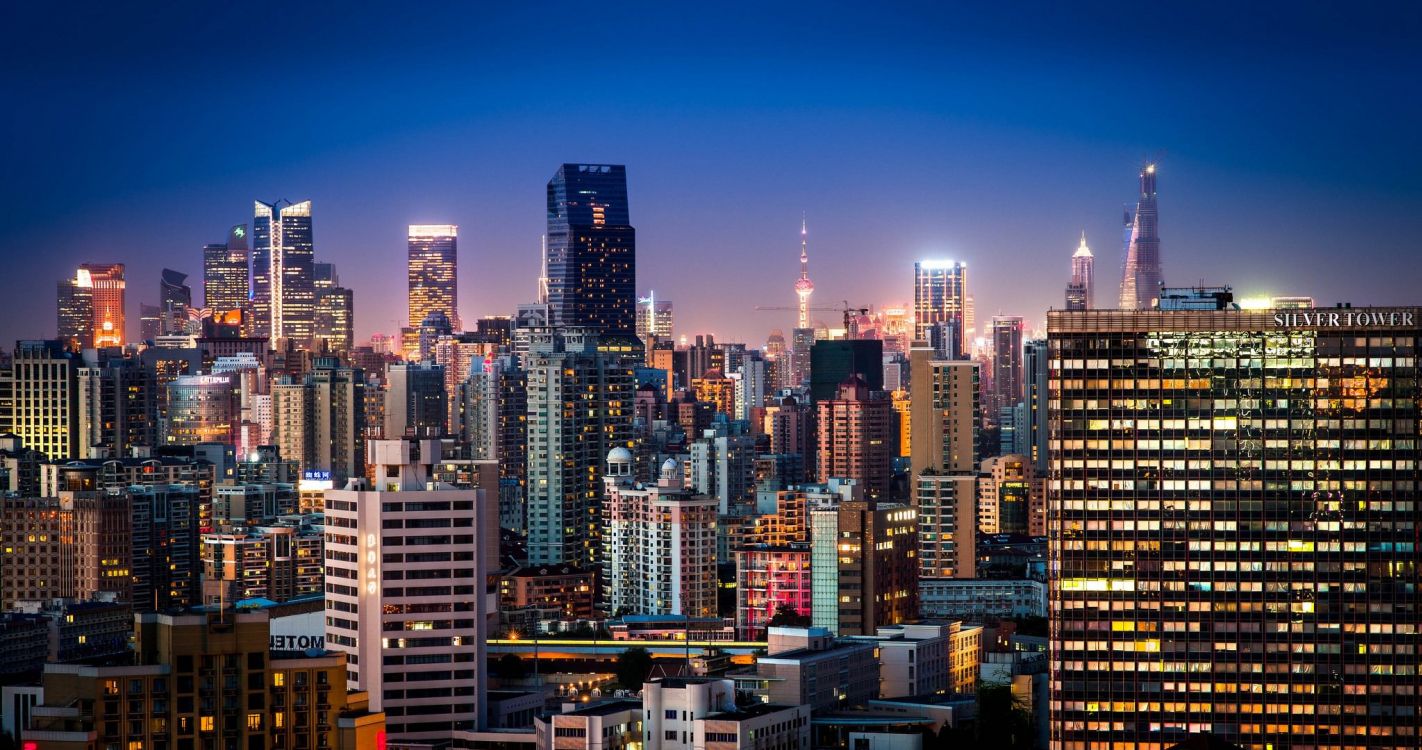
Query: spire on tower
[{"x": 804, "y": 287}]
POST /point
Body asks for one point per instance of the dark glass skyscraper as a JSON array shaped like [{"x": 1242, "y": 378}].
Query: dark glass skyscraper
[
  {"x": 283, "y": 292},
  {"x": 175, "y": 297},
  {"x": 1233, "y": 520},
  {"x": 592, "y": 250}
]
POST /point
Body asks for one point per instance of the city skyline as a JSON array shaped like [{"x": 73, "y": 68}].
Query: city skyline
[{"x": 807, "y": 141}]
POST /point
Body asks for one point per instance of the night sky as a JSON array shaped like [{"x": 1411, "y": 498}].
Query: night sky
[{"x": 1287, "y": 139}]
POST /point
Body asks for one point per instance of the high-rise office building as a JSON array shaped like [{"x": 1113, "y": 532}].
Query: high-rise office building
[
  {"x": 416, "y": 403},
  {"x": 854, "y": 437},
  {"x": 226, "y": 282},
  {"x": 579, "y": 408},
  {"x": 283, "y": 290},
  {"x": 1081, "y": 290},
  {"x": 202, "y": 409},
  {"x": 75, "y": 303},
  {"x": 592, "y": 250},
  {"x": 1141, "y": 277},
  {"x": 433, "y": 274},
  {"x": 945, "y": 422},
  {"x": 335, "y": 320},
  {"x": 940, "y": 289},
  {"x": 864, "y": 566},
  {"x": 1233, "y": 540},
  {"x": 1006, "y": 363},
  {"x": 44, "y": 398},
  {"x": 799, "y": 357},
  {"x": 174, "y": 298},
  {"x": 405, "y": 592},
  {"x": 659, "y": 542},
  {"x": 97, "y": 288},
  {"x": 654, "y": 317},
  {"x": 834, "y": 361},
  {"x": 107, "y": 280},
  {"x": 1035, "y": 358}
]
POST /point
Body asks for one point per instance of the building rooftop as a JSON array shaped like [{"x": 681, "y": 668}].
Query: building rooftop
[
  {"x": 606, "y": 708},
  {"x": 751, "y": 711}
]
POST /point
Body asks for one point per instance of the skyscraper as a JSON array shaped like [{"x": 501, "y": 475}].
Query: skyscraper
[
  {"x": 99, "y": 287},
  {"x": 1234, "y": 539},
  {"x": 1006, "y": 363},
  {"x": 940, "y": 289},
  {"x": 854, "y": 435},
  {"x": 118, "y": 407},
  {"x": 1140, "y": 279},
  {"x": 1081, "y": 290},
  {"x": 416, "y": 404},
  {"x": 283, "y": 290},
  {"x": 654, "y": 317},
  {"x": 944, "y": 422},
  {"x": 225, "y": 273},
  {"x": 433, "y": 271},
  {"x": 579, "y": 408},
  {"x": 335, "y": 319},
  {"x": 75, "y": 303},
  {"x": 1035, "y": 359},
  {"x": 174, "y": 297},
  {"x": 592, "y": 249},
  {"x": 44, "y": 398},
  {"x": 319, "y": 420}
]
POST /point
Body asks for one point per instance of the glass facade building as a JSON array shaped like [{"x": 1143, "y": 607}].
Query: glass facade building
[
  {"x": 592, "y": 249},
  {"x": 433, "y": 273},
  {"x": 283, "y": 290},
  {"x": 940, "y": 289},
  {"x": 1233, "y": 527},
  {"x": 225, "y": 276}
]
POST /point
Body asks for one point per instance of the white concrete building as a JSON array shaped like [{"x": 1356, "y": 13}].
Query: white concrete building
[
  {"x": 659, "y": 543},
  {"x": 405, "y": 570}
]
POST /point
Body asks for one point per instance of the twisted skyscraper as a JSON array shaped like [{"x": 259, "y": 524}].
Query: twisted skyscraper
[{"x": 1140, "y": 278}]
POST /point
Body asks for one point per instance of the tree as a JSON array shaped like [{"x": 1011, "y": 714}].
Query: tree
[
  {"x": 511, "y": 667},
  {"x": 788, "y": 617},
  {"x": 633, "y": 666},
  {"x": 1003, "y": 719}
]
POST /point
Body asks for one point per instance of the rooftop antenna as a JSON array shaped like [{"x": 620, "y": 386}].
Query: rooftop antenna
[{"x": 543, "y": 272}]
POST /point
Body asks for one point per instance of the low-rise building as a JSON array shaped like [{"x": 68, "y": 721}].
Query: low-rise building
[
  {"x": 199, "y": 679},
  {"x": 978, "y": 599},
  {"x": 808, "y": 666},
  {"x": 566, "y": 589},
  {"x": 913, "y": 658}
]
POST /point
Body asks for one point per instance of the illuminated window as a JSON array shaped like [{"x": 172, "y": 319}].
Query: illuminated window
[
  {"x": 205, "y": 723},
  {"x": 278, "y": 679},
  {"x": 254, "y": 722}
]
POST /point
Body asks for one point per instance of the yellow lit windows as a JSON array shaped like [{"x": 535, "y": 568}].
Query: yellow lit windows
[{"x": 206, "y": 724}]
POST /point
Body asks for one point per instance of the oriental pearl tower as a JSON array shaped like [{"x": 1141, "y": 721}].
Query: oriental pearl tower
[{"x": 803, "y": 286}]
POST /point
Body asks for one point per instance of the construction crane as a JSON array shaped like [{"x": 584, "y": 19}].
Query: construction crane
[{"x": 849, "y": 312}]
